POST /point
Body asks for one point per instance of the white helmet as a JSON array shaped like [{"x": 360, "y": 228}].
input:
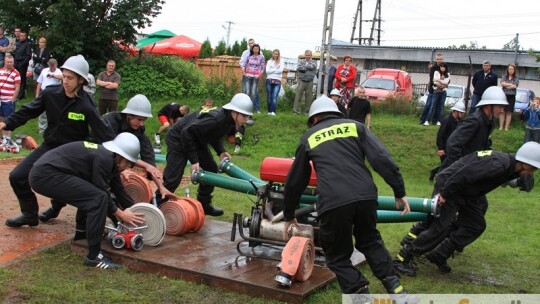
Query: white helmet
[
  {"x": 458, "y": 106},
  {"x": 126, "y": 145},
  {"x": 335, "y": 92},
  {"x": 240, "y": 103},
  {"x": 529, "y": 153},
  {"x": 78, "y": 65},
  {"x": 138, "y": 105},
  {"x": 493, "y": 96},
  {"x": 322, "y": 104}
]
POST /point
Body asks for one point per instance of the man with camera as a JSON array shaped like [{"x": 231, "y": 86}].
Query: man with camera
[{"x": 48, "y": 77}]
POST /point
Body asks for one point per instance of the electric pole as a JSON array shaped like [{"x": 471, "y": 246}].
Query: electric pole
[
  {"x": 516, "y": 50},
  {"x": 228, "y": 28},
  {"x": 326, "y": 46},
  {"x": 375, "y": 24}
]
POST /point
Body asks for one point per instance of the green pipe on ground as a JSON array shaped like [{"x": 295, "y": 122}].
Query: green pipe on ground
[
  {"x": 225, "y": 182},
  {"x": 233, "y": 170},
  {"x": 417, "y": 204},
  {"x": 386, "y": 216}
]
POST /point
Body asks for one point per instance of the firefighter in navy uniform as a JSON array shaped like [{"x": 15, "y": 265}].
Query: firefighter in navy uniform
[
  {"x": 80, "y": 173},
  {"x": 462, "y": 186},
  {"x": 71, "y": 112},
  {"x": 131, "y": 120},
  {"x": 189, "y": 139},
  {"x": 472, "y": 134},
  {"x": 347, "y": 202}
]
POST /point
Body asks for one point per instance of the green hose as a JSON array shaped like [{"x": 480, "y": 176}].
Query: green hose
[{"x": 234, "y": 171}]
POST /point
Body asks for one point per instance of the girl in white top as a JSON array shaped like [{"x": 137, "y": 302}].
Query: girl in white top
[{"x": 274, "y": 72}]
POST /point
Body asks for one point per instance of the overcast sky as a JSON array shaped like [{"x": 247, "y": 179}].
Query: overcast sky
[{"x": 296, "y": 25}]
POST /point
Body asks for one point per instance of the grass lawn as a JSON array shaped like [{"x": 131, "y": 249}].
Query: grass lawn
[{"x": 503, "y": 260}]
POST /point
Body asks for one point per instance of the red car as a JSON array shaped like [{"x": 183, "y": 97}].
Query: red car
[{"x": 381, "y": 83}]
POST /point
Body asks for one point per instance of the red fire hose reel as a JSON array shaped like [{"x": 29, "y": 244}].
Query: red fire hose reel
[{"x": 297, "y": 260}]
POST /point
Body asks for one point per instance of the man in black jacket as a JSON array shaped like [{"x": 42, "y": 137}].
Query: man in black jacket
[
  {"x": 22, "y": 55},
  {"x": 80, "y": 173},
  {"x": 347, "y": 202},
  {"x": 189, "y": 139},
  {"x": 71, "y": 112},
  {"x": 482, "y": 80}
]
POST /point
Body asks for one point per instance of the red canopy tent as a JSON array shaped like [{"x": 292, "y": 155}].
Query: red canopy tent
[{"x": 179, "y": 45}]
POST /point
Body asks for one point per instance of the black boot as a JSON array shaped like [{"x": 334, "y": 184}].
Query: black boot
[
  {"x": 405, "y": 262},
  {"x": 30, "y": 219},
  {"x": 397, "y": 292},
  {"x": 209, "y": 209},
  {"x": 408, "y": 239},
  {"x": 48, "y": 214},
  {"x": 439, "y": 256}
]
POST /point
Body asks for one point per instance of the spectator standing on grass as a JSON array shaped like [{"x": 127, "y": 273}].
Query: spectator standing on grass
[
  {"x": 243, "y": 59},
  {"x": 432, "y": 66},
  {"x": 4, "y": 44},
  {"x": 108, "y": 81},
  {"x": 22, "y": 55},
  {"x": 360, "y": 107},
  {"x": 274, "y": 74},
  {"x": 482, "y": 80},
  {"x": 48, "y": 77},
  {"x": 532, "y": 121},
  {"x": 71, "y": 112},
  {"x": 509, "y": 83},
  {"x": 10, "y": 83},
  {"x": 253, "y": 70},
  {"x": 40, "y": 58},
  {"x": 345, "y": 76},
  {"x": 305, "y": 73},
  {"x": 441, "y": 78}
]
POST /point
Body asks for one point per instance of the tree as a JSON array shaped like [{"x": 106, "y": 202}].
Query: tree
[
  {"x": 87, "y": 27},
  {"x": 473, "y": 45},
  {"x": 512, "y": 44},
  {"x": 236, "y": 50},
  {"x": 206, "y": 49},
  {"x": 221, "y": 48}
]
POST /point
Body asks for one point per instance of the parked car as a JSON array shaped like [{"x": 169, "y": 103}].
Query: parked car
[
  {"x": 454, "y": 93},
  {"x": 523, "y": 98},
  {"x": 381, "y": 83}
]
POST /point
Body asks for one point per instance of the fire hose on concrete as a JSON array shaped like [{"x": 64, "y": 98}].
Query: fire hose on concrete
[
  {"x": 183, "y": 216},
  {"x": 154, "y": 220}
]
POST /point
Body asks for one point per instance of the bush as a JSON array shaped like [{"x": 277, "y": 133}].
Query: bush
[
  {"x": 163, "y": 76},
  {"x": 396, "y": 105}
]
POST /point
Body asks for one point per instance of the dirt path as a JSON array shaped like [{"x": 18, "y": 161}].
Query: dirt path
[{"x": 21, "y": 242}]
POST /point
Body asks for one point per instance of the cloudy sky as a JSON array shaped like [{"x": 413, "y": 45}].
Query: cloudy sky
[{"x": 295, "y": 25}]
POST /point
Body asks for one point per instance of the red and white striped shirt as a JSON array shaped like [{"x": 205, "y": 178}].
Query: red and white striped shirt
[{"x": 8, "y": 80}]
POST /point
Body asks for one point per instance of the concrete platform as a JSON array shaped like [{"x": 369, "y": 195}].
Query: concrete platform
[{"x": 209, "y": 257}]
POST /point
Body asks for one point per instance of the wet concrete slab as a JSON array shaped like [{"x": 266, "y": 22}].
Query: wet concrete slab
[{"x": 209, "y": 257}]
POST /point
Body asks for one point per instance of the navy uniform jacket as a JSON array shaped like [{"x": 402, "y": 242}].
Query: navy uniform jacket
[
  {"x": 207, "y": 128},
  {"x": 481, "y": 82},
  {"x": 69, "y": 118},
  {"x": 448, "y": 126},
  {"x": 119, "y": 124},
  {"x": 88, "y": 161},
  {"x": 471, "y": 135},
  {"x": 476, "y": 174},
  {"x": 338, "y": 149}
]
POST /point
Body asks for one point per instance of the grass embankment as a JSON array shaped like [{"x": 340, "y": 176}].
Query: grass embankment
[{"x": 503, "y": 260}]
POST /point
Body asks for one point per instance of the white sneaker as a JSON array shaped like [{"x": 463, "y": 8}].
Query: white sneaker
[
  {"x": 438, "y": 123},
  {"x": 237, "y": 149},
  {"x": 272, "y": 113},
  {"x": 426, "y": 123}
]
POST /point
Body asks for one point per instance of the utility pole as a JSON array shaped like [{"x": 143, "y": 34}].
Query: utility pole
[
  {"x": 228, "y": 28},
  {"x": 374, "y": 26},
  {"x": 326, "y": 46},
  {"x": 516, "y": 50}
]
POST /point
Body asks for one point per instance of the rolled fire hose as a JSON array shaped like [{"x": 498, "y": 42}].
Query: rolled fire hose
[
  {"x": 155, "y": 220},
  {"x": 297, "y": 260},
  {"x": 137, "y": 187},
  {"x": 182, "y": 216}
]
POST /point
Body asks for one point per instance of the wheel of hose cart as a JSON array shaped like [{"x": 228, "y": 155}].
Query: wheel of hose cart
[
  {"x": 154, "y": 220},
  {"x": 306, "y": 262}
]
